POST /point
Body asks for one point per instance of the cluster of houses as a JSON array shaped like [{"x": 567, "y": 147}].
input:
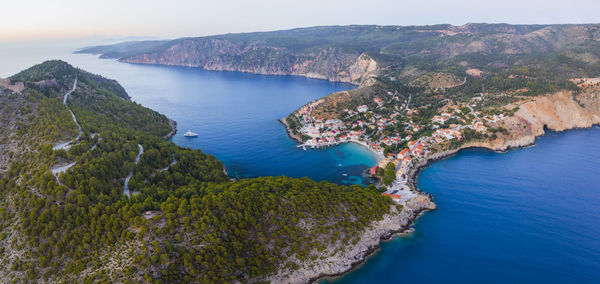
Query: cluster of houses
[
  {"x": 494, "y": 118},
  {"x": 327, "y": 132}
]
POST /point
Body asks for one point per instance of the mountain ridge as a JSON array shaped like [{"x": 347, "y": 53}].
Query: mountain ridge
[{"x": 333, "y": 52}]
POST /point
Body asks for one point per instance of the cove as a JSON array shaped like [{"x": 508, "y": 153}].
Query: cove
[
  {"x": 526, "y": 216},
  {"x": 236, "y": 116}
]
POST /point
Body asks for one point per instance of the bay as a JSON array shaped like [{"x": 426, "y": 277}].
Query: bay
[{"x": 235, "y": 114}]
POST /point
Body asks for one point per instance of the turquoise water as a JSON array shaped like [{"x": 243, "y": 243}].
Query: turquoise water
[
  {"x": 529, "y": 215},
  {"x": 526, "y": 216}
]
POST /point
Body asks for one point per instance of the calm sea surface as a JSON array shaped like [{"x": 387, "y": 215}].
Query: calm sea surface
[
  {"x": 529, "y": 215},
  {"x": 526, "y": 216},
  {"x": 236, "y": 116}
]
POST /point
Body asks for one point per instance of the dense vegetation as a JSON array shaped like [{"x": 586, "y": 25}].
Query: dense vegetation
[{"x": 186, "y": 221}]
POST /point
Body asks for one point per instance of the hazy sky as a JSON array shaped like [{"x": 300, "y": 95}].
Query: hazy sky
[{"x": 82, "y": 18}]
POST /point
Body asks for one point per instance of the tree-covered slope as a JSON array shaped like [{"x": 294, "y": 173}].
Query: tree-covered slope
[
  {"x": 55, "y": 76},
  {"x": 185, "y": 221}
]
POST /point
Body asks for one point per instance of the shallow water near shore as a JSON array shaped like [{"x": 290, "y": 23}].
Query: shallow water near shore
[{"x": 528, "y": 215}]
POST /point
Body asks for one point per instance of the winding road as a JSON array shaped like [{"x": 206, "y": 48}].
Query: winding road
[
  {"x": 59, "y": 170},
  {"x": 473, "y": 113},
  {"x": 64, "y": 146},
  {"x": 99, "y": 138},
  {"x": 68, "y": 144},
  {"x": 137, "y": 160},
  {"x": 170, "y": 165}
]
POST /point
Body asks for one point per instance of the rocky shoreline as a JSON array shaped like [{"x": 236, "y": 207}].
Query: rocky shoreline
[
  {"x": 173, "y": 125},
  {"x": 427, "y": 204},
  {"x": 308, "y": 75},
  {"x": 288, "y": 130},
  {"x": 418, "y": 167},
  {"x": 393, "y": 223}
]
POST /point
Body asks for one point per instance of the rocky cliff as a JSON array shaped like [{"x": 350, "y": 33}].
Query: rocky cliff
[
  {"x": 333, "y": 63},
  {"x": 558, "y": 112}
]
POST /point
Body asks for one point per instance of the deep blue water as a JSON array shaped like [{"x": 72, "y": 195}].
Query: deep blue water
[
  {"x": 236, "y": 116},
  {"x": 529, "y": 215},
  {"x": 526, "y": 216}
]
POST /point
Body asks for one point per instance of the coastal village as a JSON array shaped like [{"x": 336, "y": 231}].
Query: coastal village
[{"x": 397, "y": 138}]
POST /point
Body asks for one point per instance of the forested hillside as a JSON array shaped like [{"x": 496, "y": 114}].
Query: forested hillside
[{"x": 185, "y": 220}]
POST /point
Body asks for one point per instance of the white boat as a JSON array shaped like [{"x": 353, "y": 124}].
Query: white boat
[{"x": 190, "y": 134}]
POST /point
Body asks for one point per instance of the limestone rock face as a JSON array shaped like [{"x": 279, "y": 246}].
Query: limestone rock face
[
  {"x": 332, "y": 63},
  {"x": 17, "y": 87},
  {"x": 364, "y": 68},
  {"x": 558, "y": 112}
]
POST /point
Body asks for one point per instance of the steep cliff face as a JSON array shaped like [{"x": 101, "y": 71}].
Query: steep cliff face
[
  {"x": 558, "y": 112},
  {"x": 363, "y": 69},
  {"x": 332, "y": 63}
]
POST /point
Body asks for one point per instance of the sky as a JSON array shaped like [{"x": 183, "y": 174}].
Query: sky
[{"x": 49, "y": 19}]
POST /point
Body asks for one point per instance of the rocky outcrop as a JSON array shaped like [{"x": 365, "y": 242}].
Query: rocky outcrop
[
  {"x": 17, "y": 87},
  {"x": 363, "y": 69},
  {"x": 173, "y": 125},
  {"x": 347, "y": 257},
  {"x": 558, "y": 112},
  {"x": 289, "y": 130}
]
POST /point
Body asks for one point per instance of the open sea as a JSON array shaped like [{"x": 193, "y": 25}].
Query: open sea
[{"x": 528, "y": 215}]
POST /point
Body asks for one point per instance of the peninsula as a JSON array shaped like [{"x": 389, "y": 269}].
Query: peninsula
[{"x": 117, "y": 202}]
